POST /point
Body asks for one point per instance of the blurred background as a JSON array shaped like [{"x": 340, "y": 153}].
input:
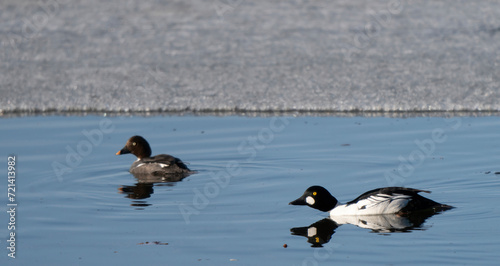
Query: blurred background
[{"x": 228, "y": 55}]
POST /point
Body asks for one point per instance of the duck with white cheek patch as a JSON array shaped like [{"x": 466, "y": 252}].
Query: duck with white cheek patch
[{"x": 388, "y": 200}]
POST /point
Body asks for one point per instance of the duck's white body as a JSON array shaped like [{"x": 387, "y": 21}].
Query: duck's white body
[{"x": 373, "y": 205}]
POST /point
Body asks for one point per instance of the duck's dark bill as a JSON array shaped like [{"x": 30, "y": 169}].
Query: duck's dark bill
[
  {"x": 123, "y": 151},
  {"x": 299, "y": 201}
]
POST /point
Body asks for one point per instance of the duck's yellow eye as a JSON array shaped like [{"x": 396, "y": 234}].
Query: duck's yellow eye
[
  {"x": 133, "y": 143},
  {"x": 317, "y": 239},
  {"x": 315, "y": 193}
]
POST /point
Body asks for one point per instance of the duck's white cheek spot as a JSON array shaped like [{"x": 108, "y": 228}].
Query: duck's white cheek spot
[
  {"x": 310, "y": 200},
  {"x": 311, "y": 231}
]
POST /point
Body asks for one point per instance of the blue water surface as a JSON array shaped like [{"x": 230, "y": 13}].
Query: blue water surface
[{"x": 78, "y": 205}]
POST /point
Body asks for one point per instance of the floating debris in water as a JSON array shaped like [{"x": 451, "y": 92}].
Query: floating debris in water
[
  {"x": 489, "y": 172},
  {"x": 152, "y": 243}
]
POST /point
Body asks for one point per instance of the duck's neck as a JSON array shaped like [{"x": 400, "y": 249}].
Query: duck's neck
[{"x": 327, "y": 204}]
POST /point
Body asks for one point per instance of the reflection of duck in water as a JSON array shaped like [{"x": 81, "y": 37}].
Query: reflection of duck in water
[
  {"x": 389, "y": 200},
  {"x": 141, "y": 191},
  {"x": 386, "y": 223},
  {"x": 137, "y": 191},
  {"x": 390, "y": 209},
  {"x": 159, "y": 165},
  {"x": 318, "y": 233},
  {"x": 321, "y": 232}
]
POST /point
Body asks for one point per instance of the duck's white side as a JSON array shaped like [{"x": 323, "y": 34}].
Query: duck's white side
[{"x": 373, "y": 205}]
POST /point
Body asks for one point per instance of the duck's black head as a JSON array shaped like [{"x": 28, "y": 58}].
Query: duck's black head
[
  {"x": 317, "y": 197},
  {"x": 138, "y": 146}
]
